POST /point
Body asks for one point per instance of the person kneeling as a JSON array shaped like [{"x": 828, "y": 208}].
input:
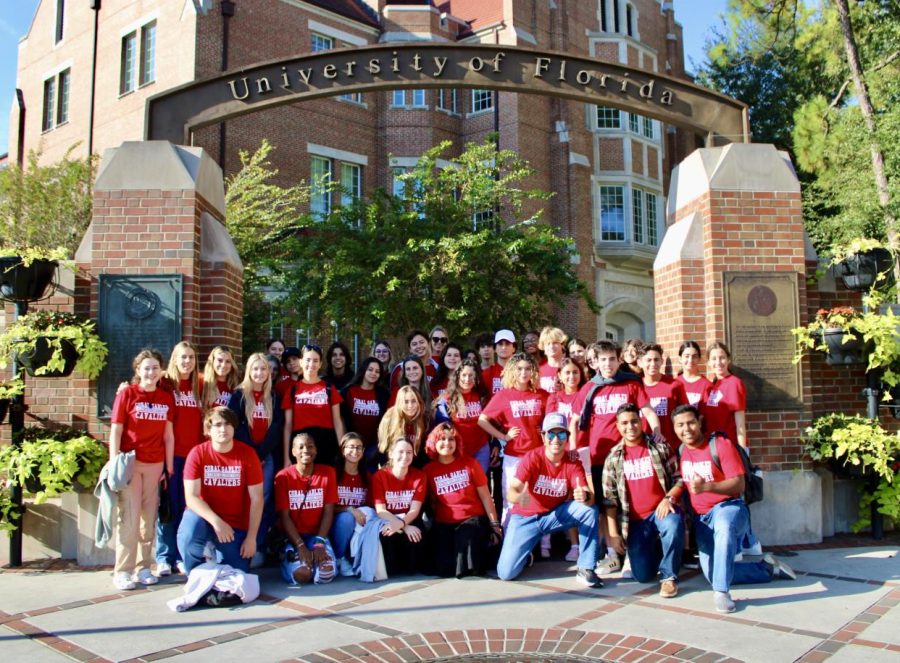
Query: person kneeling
[
  {"x": 549, "y": 493},
  {"x": 223, "y": 490},
  {"x": 715, "y": 486},
  {"x": 305, "y": 495},
  {"x": 640, "y": 479}
]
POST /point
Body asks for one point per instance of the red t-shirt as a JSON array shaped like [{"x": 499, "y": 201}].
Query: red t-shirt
[
  {"x": 722, "y": 400},
  {"x": 453, "y": 488},
  {"x": 188, "y": 421},
  {"x": 548, "y": 374},
  {"x": 564, "y": 403},
  {"x": 305, "y": 497},
  {"x": 284, "y": 386},
  {"x": 699, "y": 462},
  {"x": 603, "y": 433},
  {"x": 225, "y": 479},
  {"x": 224, "y": 393},
  {"x": 397, "y": 494},
  {"x": 695, "y": 390},
  {"x": 397, "y": 372},
  {"x": 365, "y": 413},
  {"x": 492, "y": 378},
  {"x": 312, "y": 404},
  {"x": 644, "y": 490},
  {"x": 465, "y": 421},
  {"x": 143, "y": 415},
  {"x": 665, "y": 396},
  {"x": 259, "y": 426},
  {"x": 351, "y": 491},
  {"x": 525, "y": 409},
  {"x": 549, "y": 485}
]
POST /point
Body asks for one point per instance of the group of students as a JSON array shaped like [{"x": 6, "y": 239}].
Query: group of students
[{"x": 391, "y": 469}]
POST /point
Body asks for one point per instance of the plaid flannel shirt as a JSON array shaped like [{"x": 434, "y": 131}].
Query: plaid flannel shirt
[{"x": 615, "y": 489}]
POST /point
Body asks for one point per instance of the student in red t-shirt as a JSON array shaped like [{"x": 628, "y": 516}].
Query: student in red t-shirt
[
  {"x": 721, "y": 517},
  {"x": 462, "y": 404},
  {"x": 275, "y": 348},
  {"x": 577, "y": 350},
  {"x": 640, "y": 484},
  {"x": 413, "y": 375},
  {"x": 365, "y": 402},
  {"x": 260, "y": 425},
  {"x": 223, "y": 487},
  {"x": 724, "y": 408},
  {"x": 595, "y": 413},
  {"x": 398, "y": 492},
  {"x": 552, "y": 343},
  {"x": 313, "y": 406},
  {"x": 305, "y": 495},
  {"x": 354, "y": 504},
  {"x": 407, "y": 419},
  {"x": 484, "y": 346},
  {"x": 514, "y": 415},
  {"x": 450, "y": 359},
  {"x": 291, "y": 372},
  {"x": 530, "y": 346},
  {"x": 381, "y": 350},
  {"x": 464, "y": 514},
  {"x": 694, "y": 382},
  {"x": 504, "y": 347},
  {"x": 568, "y": 382},
  {"x": 220, "y": 378},
  {"x": 141, "y": 422},
  {"x": 181, "y": 379},
  {"x": 550, "y": 493},
  {"x": 419, "y": 346},
  {"x": 665, "y": 393}
]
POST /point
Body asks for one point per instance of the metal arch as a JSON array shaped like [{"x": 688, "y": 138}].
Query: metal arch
[{"x": 175, "y": 114}]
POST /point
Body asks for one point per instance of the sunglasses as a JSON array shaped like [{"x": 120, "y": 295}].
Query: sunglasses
[
  {"x": 314, "y": 348},
  {"x": 439, "y": 339},
  {"x": 557, "y": 435}
]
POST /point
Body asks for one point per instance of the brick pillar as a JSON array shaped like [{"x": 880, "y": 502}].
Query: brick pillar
[{"x": 737, "y": 209}]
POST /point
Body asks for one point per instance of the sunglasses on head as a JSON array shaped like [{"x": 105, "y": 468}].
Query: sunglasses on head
[{"x": 314, "y": 348}]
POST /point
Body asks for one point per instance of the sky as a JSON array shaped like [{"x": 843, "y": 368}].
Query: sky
[{"x": 696, "y": 16}]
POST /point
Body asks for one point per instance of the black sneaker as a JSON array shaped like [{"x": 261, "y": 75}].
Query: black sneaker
[
  {"x": 690, "y": 561},
  {"x": 588, "y": 578}
]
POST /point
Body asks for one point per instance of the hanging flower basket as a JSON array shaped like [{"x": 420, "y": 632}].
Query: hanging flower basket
[
  {"x": 844, "y": 347},
  {"x": 45, "y": 347},
  {"x": 860, "y": 271},
  {"x": 22, "y": 281}
]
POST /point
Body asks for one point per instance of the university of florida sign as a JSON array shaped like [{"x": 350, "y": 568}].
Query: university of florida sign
[{"x": 175, "y": 114}]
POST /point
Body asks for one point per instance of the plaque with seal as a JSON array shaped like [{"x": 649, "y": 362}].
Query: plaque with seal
[
  {"x": 136, "y": 311},
  {"x": 761, "y": 308}
]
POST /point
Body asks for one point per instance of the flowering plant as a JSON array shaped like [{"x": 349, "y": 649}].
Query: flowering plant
[{"x": 54, "y": 327}]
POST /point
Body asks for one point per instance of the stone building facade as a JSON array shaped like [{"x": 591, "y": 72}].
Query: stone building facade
[{"x": 608, "y": 169}]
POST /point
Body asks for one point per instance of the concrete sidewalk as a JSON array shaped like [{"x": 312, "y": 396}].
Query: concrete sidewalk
[{"x": 842, "y": 607}]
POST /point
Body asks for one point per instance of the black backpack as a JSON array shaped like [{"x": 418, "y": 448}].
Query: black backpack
[{"x": 753, "y": 481}]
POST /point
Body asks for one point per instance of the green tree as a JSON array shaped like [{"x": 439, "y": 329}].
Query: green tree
[
  {"x": 463, "y": 245},
  {"x": 46, "y": 207}
]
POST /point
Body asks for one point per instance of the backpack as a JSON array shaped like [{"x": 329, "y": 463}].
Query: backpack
[{"x": 753, "y": 481}]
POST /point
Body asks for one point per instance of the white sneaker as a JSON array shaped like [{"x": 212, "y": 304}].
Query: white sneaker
[
  {"x": 755, "y": 549},
  {"x": 739, "y": 557},
  {"x": 345, "y": 567},
  {"x": 779, "y": 568},
  {"x": 545, "y": 547},
  {"x": 180, "y": 566},
  {"x": 163, "y": 569},
  {"x": 123, "y": 581},
  {"x": 572, "y": 555},
  {"x": 257, "y": 560},
  {"x": 145, "y": 577}
]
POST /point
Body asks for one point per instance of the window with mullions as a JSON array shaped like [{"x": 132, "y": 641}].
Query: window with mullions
[
  {"x": 129, "y": 63},
  {"x": 637, "y": 215},
  {"x": 351, "y": 182},
  {"x": 49, "y": 111},
  {"x": 652, "y": 236},
  {"x": 447, "y": 100},
  {"x": 612, "y": 213},
  {"x": 148, "y": 53},
  {"x": 608, "y": 118},
  {"x": 320, "y": 42},
  {"x": 634, "y": 123},
  {"x": 648, "y": 128},
  {"x": 55, "y": 108},
  {"x": 482, "y": 220},
  {"x": 482, "y": 100},
  {"x": 320, "y": 179}
]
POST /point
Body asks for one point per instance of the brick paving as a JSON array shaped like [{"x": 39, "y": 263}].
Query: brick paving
[{"x": 851, "y": 615}]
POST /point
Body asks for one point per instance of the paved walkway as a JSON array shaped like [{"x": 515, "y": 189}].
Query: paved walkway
[{"x": 844, "y": 606}]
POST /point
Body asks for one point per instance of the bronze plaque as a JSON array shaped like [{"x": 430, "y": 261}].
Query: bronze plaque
[{"x": 761, "y": 308}]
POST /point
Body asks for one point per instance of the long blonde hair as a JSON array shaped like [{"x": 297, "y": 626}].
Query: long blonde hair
[
  {"x": 210, "y": 391},
  {"x": 247, "y": 388},
  {"x": 509, "y": 372},
  {"x": 393, "y": 424},
  {"x": 174, "y": 374}
]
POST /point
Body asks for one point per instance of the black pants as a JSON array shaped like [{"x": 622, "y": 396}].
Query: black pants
[
  {"x": 460, "y": 549},
  {"x": 402, "y": 556}
]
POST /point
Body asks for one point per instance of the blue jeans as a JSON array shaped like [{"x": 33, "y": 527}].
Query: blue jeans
[
  {"x": 523, "y": 532},
  {"x": 193, "y": 535},
  {"x": 166, "y": 533},
  {"x": 341, "y": 532},
  {"x": 654, "y": 546},
  {"x": 268, "y": 514},
  {"x": 719, "y": 535},
  {"x": 483, "y": 456}
]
